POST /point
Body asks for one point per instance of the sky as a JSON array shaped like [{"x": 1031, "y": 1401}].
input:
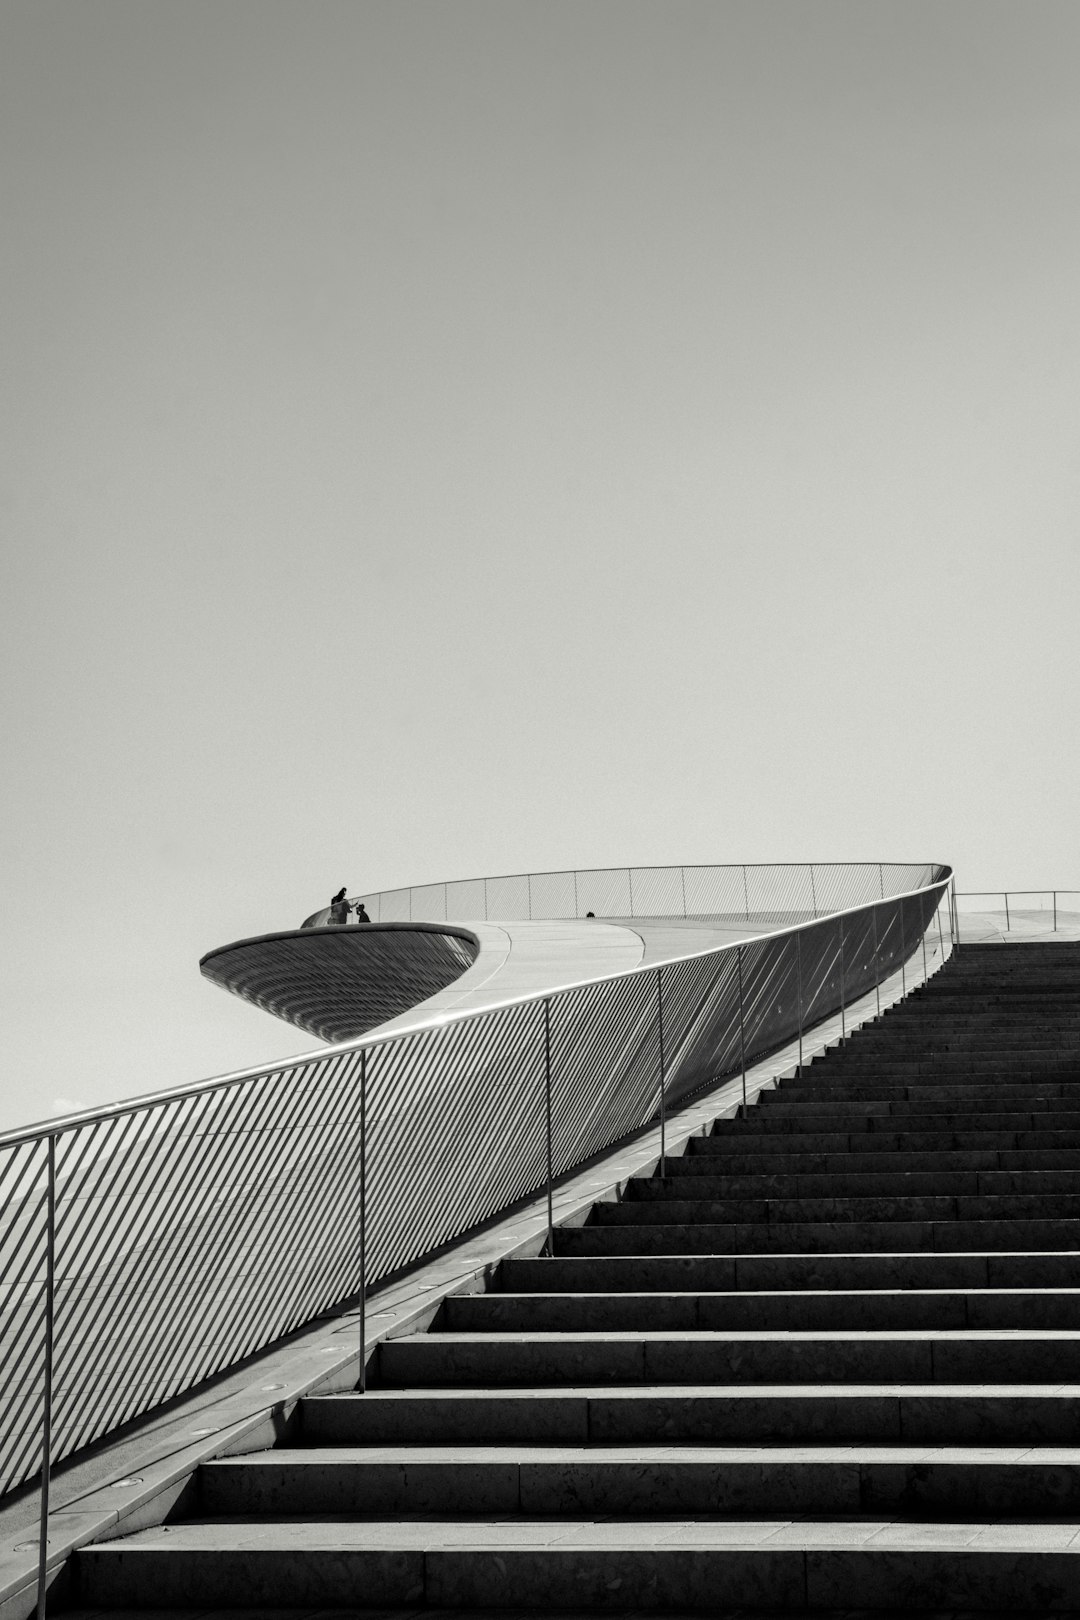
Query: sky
[{"x": 448, "y": 437}]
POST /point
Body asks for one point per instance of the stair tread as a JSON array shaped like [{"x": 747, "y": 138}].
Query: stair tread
[{"x": 422, "y": 1532}]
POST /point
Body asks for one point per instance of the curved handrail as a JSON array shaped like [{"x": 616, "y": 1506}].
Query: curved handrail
[
  {"x": 182, "y": 1231},
  {"x": 659, "y": 891}
]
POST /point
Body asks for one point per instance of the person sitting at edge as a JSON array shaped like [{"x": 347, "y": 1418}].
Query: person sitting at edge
[{"x": 361, "y": 912}]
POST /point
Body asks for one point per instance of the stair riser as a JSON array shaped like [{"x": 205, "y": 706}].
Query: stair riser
[
  {"x": 671, "y": 1576},
  {"x": 290, "y": 1487},
  {"x": 717, "y": 1163},
  {"x": 698, "y": 1417},
  {"x": 792, "y": 1312},
  {"x": 414, "y": 1363},
  {"x": 663, "y": 1204},
  {"x": 595, "y": 1274},
  {"x": 862, "y": 1184},
  {"x": 795, "y": 1237}
]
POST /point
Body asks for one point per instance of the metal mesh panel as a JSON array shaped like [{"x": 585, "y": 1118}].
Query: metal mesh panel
[
  {"x": 607, "y": 893},
  {"x": 395, "y": 905},
  {"x": 605, "y": 1064},
  {"x": 781, "y": 892},
  {"x": 465, "y": 901},
  {"x": 507, "y": 897},
  {"x": 24, "y": 1189},
  {"x": 715, "y": 891},
  {"x": 553, "y": 894},
  {"x": 455, "y": 1130},
  {"x": 657, "y": 891},
  {"x": 428, "y": 903}
]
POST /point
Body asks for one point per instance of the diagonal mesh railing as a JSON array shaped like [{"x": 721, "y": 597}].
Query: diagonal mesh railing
[{"x": 192, "y": 1228}]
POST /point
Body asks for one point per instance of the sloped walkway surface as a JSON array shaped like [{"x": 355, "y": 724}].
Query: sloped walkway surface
[{"x": 829, "y": 1362}]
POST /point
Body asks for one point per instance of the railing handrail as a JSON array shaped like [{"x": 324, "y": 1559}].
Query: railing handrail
[
  {"x": 981, "y": 894},
  {"x": 236, "y": 1077}
]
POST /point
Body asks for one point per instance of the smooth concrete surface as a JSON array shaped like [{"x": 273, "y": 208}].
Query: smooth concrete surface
[
  {"x": 518, "y": 959},
  {"x": 138, "y": 1479}
]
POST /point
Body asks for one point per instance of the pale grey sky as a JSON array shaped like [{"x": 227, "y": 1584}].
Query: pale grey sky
[{"x": 460, "y": 437}]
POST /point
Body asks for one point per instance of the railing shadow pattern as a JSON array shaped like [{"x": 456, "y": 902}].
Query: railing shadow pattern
[{"x": 180, "y": 1233}]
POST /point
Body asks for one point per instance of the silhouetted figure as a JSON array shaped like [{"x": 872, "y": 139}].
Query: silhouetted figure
[
  {"x": 339, "y": 908},
  {"x": 591, "y": 914},
  {"x": 361, "y": 912}
]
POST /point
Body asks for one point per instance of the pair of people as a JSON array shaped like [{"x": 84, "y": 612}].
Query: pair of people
[{"x": 340, "y": 908}]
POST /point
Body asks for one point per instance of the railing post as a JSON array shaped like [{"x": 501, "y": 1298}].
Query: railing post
[
  {"x": 742, "y": 1032},
  {"x": 1008, "y": 924},
  {"x": 955, "y": 915},
  {"x": 798, "y": 977},
  {"x": 1055, "y": 911},
  {"x": 940, "y": 931},
  {"x": 663, "y": 1074},
  {"x": 877, "y": 964},
  {"x": 363, "y": 1221},
  {"x": 46, "y": 1400},
  {"x": 843, "y": 1010},
  {"x": 925, "y": 969},
  {"x": 547, "y": 1113},
  {"x": 903, "y": 946}
]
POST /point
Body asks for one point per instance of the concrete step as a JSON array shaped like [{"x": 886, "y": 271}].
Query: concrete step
[
  {"x": 657, "y": 1201},
  {"x": 636, "y": 1563},
  {"x": 680, "y": 1184},
  {"x": 556, "y": 1481},
  {"x": 710, "y": 1159},
  {"x": 809, "y": 1106},
  {"x": 986, "y": 1415},
  {"x": 789, "y": 1309},
  {"x": 442, "y": 1360},
  {"x": 852, "y": 1121},
  {"x": 928, "y": 1137},
  {"x": 812, "y": 1237},
  {"x": 844, "y": 1272}
]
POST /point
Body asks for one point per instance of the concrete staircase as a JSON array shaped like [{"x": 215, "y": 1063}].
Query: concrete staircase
[{"x": 830, "y": 1362}]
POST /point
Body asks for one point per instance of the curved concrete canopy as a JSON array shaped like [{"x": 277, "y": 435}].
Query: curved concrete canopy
[{"x": 338, "y": 983}]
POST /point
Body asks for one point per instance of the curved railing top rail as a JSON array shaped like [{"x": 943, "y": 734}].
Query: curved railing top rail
[
  {"x": 942, "y": 876},
  {"x": 732, "y": 889}
]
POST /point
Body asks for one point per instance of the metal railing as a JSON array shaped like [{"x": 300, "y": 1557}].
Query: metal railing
[
  {"x": 152, "y": 1243},
  {"x": 1041, "y": 895},
  {"x": 793, "y": 889}
]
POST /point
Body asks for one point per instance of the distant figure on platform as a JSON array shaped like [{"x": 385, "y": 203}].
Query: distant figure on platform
[
  {"x": 591, "y": 914},
  {"x": 361, "y": 912},
  {"x": 339, "y": 908}
]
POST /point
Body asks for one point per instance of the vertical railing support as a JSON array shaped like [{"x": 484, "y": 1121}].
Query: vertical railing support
[
  {"x": 843, "y": 1010},
  {"x": 903, "y": 948},
  {"x": 1055, "y": 911},
  {"x": 955, "y": 914},
  {"x": 798, "y": 979},
  {"x": 363, "y": 1222},
  {"x": 47, "y": 1386},
  {"x": 663, "y": 1073},
  {"x": 940, "y": 931},
  {"x": 925, "y": 969},
  {"x": 877, "y": 964},
  {"x": 742, "y": 1032},
  {"x": 1008, "y": 924},
  {"x": 547, "y": 1115}
]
